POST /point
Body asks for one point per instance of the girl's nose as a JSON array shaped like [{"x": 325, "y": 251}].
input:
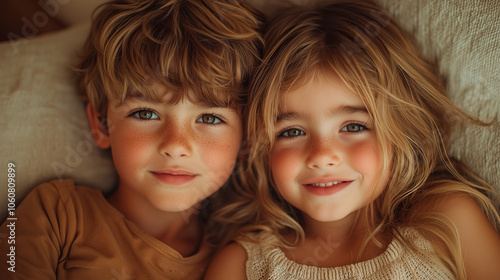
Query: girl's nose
[{"x": 323, "y": 153}]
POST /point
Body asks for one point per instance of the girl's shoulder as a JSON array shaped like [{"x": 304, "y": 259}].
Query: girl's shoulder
[
  {"x": 228, "y": 263},
  {"x": 455, "y": 207},
  {"x": 231, "y": 261},
  {"x": 450, "y": 200},
  {"x": 478, "y": 238}
]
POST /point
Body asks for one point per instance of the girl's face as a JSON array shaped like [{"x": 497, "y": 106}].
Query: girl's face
[{"x": 326, "y": 160}]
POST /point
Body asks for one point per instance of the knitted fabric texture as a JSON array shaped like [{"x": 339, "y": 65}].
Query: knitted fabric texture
[{"x": 396, "y": 262}]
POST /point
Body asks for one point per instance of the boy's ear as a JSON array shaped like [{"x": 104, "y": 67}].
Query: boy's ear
[{"x": 99, "y": 132}]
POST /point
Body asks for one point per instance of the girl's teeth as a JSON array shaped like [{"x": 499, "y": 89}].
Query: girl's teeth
[{"x": 329, "y": 184}]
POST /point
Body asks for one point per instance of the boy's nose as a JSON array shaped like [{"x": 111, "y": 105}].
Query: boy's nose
[
  {"x": 323, "y": 153},
  {"x": 176, "y": 142}
]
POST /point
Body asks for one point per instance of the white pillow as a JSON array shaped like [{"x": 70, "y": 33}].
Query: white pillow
[
  {"x": 464, "y": 39},
  {"x": 44, "y": 129},
  {"x": 45, "y": 132}
]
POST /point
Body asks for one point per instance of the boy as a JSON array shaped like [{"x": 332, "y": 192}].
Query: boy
[{"x": 165, "y": 82}]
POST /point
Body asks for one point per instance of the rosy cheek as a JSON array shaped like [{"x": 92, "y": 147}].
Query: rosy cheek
[
  {"x": 365, "y": 157},
  {"x": 219, "y": 158},
  {"x": 283, "y": 165},
  {"x": 128, "y": 150}
]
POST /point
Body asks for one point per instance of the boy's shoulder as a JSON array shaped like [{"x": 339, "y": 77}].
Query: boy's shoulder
[
  {"x": 63, "y": 189},
  {"x": 63, "y": 197}
]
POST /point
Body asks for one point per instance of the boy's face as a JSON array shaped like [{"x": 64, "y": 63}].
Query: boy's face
[{"x": 172, "y": 156}]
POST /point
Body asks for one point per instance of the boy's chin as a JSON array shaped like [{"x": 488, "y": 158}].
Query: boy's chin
[{"x": 187, "y": 208}]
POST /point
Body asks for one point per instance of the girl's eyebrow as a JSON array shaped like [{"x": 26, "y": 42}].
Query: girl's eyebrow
[
  {"x": 340, "y": 110},
  {"x": 287, "y": 116},
  {"x": 346, "y": 109}
]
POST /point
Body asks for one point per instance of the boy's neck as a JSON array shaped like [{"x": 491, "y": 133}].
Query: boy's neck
[{"x": 182, "y": 231}]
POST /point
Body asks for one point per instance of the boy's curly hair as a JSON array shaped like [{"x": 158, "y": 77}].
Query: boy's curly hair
[{"x": 204, "y": 46}]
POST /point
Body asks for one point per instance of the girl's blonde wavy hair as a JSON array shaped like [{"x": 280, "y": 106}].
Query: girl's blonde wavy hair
[
  {"x": 360, "y": 43},
  {"x": 206, "y": 46}
]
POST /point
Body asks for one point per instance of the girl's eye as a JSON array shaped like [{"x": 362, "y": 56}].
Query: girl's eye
[
  {"x": 353, "y": 127},
  {"x": 293, "y": 132},
  {"x": 209, "y": 118},
  {"x": 145, "y": 114}
]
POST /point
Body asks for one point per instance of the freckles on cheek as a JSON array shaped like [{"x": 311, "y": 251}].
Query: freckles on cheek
[
  {"x": 126, "y": 147},
  {"x": 219, "y": 161},
  {"x": 219, "y": 158}
]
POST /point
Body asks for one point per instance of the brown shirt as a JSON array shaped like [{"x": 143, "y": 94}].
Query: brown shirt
[{"x": 64, "y": 231}]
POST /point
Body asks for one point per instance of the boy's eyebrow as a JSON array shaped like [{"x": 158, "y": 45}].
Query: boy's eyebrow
[
  {"x": 156, "y": 99},
  {"x": 140, "y": 96},
  {"x": 346, "y": 109},
  {"x": 135, "y": 95}
]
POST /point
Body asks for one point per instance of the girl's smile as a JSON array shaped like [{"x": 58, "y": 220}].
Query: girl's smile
[{"x": 328, "y": 188}]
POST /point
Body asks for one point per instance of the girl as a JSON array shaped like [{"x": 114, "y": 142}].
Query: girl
[{"x": 352, "y": 126}]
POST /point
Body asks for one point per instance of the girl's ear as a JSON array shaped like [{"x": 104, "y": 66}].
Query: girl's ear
[{"x": 99, "y": 132}]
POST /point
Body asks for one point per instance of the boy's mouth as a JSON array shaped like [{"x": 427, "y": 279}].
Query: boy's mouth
[{"x": 173, "y": 176}]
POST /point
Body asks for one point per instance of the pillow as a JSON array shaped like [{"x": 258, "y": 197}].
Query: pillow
[
  {"x": 45, "y": 132},
  {"x": 464, "y": 40}
]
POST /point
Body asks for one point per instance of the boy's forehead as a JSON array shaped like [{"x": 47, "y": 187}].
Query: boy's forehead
[
  {"x": 153, "y": 91},
  {"x": 145, "y": 95},
  {"x": 161, "y": 94}
]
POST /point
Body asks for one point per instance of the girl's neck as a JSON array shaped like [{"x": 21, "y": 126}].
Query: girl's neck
[
  {"x": 331, "y": 244},
  {"x": 182, "y": 231},
  {"x": 338, "y": 230}
]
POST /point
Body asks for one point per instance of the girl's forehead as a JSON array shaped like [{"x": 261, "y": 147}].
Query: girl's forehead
[
  {"x": 328, "y": 94},
  {"x": 310, "y": 84}
]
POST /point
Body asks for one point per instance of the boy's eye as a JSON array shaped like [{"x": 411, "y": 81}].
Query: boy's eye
[
  {"x": 293, "y": 132},
  {"x": 145, "y": 115},
  {"x": 209, "y": 118},
  {"x": 353, "y": 127}
]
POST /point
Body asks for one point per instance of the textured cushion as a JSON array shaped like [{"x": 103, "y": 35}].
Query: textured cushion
[
  {"x": 464, "y": 39},
  {"x": 45, "y": 133},
  {"x": 44, "y": 129}
]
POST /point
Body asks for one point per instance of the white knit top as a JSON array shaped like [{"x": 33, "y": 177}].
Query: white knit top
[{"x": 396, "y": 262}]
